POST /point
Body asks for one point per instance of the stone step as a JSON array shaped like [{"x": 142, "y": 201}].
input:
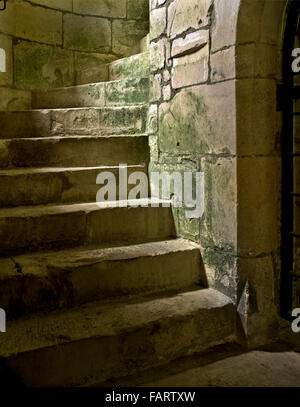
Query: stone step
[
  {"x": 125, "y": 92},
  {"x": 135, "y": 66},
  {"x": 41, "y": 186},
  {"x": 83, "y": 151},
  {"x": 28, "y": 229},
  {"x": 95, "y": 343},
  {"x": 85, "y": 121},
  {"x": 48, "y": 281}
]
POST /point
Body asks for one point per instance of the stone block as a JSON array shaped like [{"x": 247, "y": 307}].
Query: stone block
[
  {"x": 259, "y": 60},
  {"x": 38, "y": 23},
  {"x": 167, "y": 92},
  {"x": 87, "y": 33},
  {"x": 223, "y": 65},
  {"x": 152, "y": 122},
  {"x": 259, "y": 196},
  {"x": 218, "y": 227},
  {"x": 40, "y": 67},
  {"x": 107, "y": 8},
  {"x": 92, "y": 67},
  {"x": 256, "y": 117},
  {"x": 224, "y": 30},
  {"x": 158, "y": 22},
  {"x": 191, "y": 69},
  {"x": 155, "y": 88},
  {"x": 126, "y": 35},
  {"x": 138, "y": 9},
  {"x": 157, "y": 55},
  {"x": 183, "y": 15},
  {"x": 199, "y": 120},
  {"x": 221, "y": 270},
  {"x": 61, "y": 4},
  {"x": 14, "y": 99}
]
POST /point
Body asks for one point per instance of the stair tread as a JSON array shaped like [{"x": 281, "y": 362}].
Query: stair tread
[
  {"x": 91, "y": 255},
  {"x": 44, "y": 210},
  {"x": 104, "y": 320}
]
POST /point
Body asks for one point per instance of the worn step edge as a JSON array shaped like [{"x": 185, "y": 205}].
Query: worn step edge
[
  {"x": 115, "y": 341},
  {"x": 41, "y": 186},
  {"x": 38, "y": 281},
  {"x": 101, "y": 72},
  {"x": 30, "y": 229}
]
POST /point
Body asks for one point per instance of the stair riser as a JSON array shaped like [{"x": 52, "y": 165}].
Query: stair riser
[
  {"x": 61, "y": 286},
  {"x": 70, "y": 229},
  {"x": 41, "y": 188},
  {"x": 125, "y": 92},
  {"x": 90, "y": 121},
  {"x": 74, "y": 152},
  {"x": 101, "y": 358},
  {"x": 137, "y": 66}
]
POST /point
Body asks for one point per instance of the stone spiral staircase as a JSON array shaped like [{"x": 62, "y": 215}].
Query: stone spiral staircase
[{"x": 93, "y": 292}]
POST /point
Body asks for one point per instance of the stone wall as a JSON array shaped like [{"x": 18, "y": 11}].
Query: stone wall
[
  {"x": 196, "y": 122},
  {"x": 213, "y": 109},
  {"x": 48, "y": 43}
]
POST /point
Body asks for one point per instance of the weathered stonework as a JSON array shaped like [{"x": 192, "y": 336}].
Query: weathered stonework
[
  {"x": 69, "y": 42},
  {"x": 215, "y": 70},
  {"x": 41, "y": 66}
]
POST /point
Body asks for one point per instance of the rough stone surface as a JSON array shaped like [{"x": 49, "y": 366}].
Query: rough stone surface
[
  {"x": 61, "y": 5},
  {"x": 158, "y": 22},
  {"x": 31, "y": 228},
  {"x": 87, "y": 33},
  {"x": 42, "y": 67},
  {"x": 127, "y": 34},
  {"x": 187, "y": 14},
  {"x": 108, "y": 8},
  {"x": 260, "y": 368},
  {"x": 39, "y": 186},
  {"x": 14, "y": 99},
  {"x": 37, "y": 24},
  {"x": 190, "y": 122},
  {"x": 84, "y": 121},
  {"x": 190, "y": 43},
  {"x": 138, "y": 9},
  {"x": 97, "y": 274},
  {"x": 197, "y": 66},
  {"x": 84, "y": 331}
]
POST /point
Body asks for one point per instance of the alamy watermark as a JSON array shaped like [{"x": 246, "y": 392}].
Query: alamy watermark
[
  {"x": 2, "y": 60},
  {"x": 2, "y": 321},
  {"x": 296, "y": 322},
  {"x": 296, "y": 61},
  {"x": 181, "y": 190}
]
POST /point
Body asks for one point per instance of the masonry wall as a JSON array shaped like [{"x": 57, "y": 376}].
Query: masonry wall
[
  {"x": 53, "y": 43},
  {"x": 213, "y": 109},
  {"x": 195, "y": 106}
]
